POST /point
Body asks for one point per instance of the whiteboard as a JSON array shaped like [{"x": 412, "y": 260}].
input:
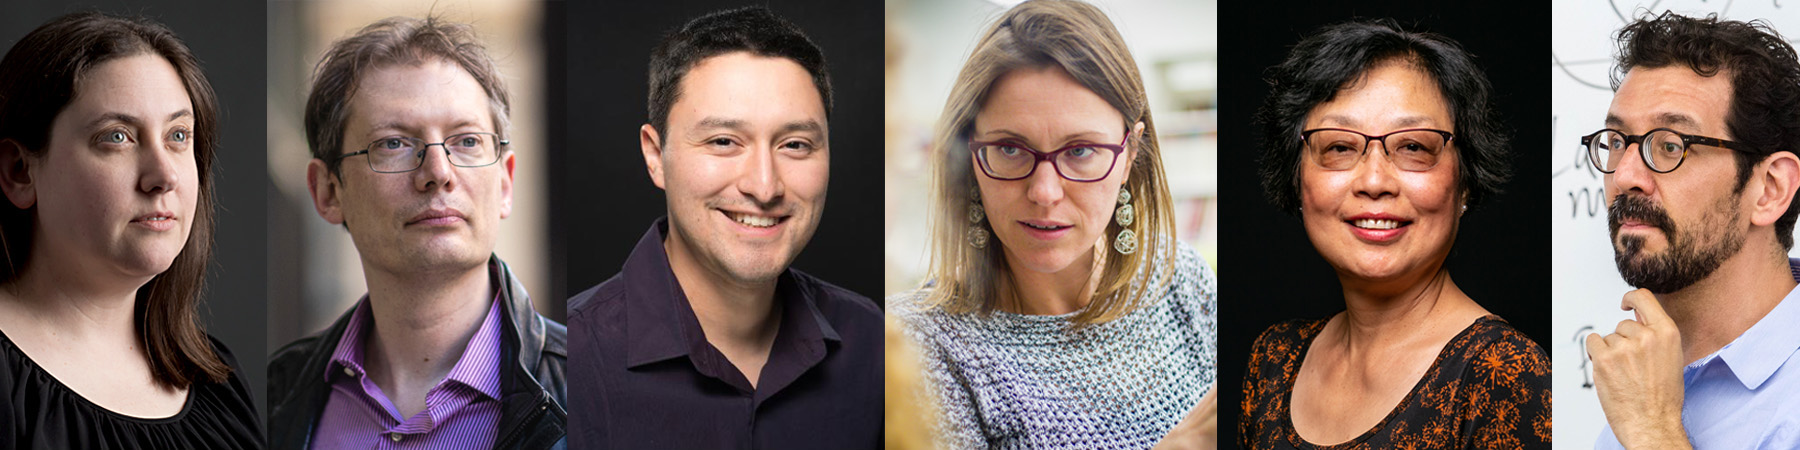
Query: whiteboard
[{"x": 1585, "y": 284}]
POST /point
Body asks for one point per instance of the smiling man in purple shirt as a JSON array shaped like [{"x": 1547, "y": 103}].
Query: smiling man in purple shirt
[
  {"x": 706, "y": 339},
  {"x": 407, "y": 121}
]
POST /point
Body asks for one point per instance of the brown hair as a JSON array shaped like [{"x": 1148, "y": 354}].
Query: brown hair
[
  {"x": 1078, "y": 38},
  {"x": 37, "y": 80},
  {"x": 394, "y": 40}
]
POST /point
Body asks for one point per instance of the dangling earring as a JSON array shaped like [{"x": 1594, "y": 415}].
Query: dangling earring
[
  {"x": 978, "y": 235},
  {"x": 1126, "y": 242}
]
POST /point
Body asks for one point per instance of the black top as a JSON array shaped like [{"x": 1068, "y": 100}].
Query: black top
[
  {"x": 1488, "y": 388},
  {"x": 39, "y": 412},
  {"x": 647, "y": 378}
]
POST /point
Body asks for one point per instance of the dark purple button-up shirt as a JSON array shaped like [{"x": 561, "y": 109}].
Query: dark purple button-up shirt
[
  {"x": 642, "y": 375},
  {"x": 461, "y": 412}
]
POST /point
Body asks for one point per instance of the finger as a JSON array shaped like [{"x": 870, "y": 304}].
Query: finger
[
  {"x": 1613, "y": 340},
  {"x": 1650, "y": 311},
  {"x": 1595, "y": 344},
  {"x": 1629, "y": 328}
]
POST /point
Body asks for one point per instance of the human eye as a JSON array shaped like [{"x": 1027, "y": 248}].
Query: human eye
[
  {"x": 114, "y": 136},
  {"x": 798, "y": 146}
]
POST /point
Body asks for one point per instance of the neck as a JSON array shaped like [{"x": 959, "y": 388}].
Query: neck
[
  {"x": 82, "y": 303},
  {"x": 733, "y": 313},
  {"x": 422, "y": 323},
  {"x": 1716, "y": 310},
  {"x": 1052, "y": 293},
  {"x": 1383, "y": 313}
]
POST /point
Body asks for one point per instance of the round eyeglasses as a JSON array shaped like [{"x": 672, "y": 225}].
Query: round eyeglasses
[
  {"x": 1412, "y": 150},
  {"x": 397, "y": 154},
  {"x": 1662, "y": 149},
  {"x": 1013, "y": 160}
]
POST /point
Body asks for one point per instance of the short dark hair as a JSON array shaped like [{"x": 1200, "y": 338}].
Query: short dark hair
[
  {"x": 1765, "y": 81},
  {"x": 1338, "y": 55},
  {"x": 37, "y": 81},
  {"x": 752, "y": 29},
  {"x": 392, "y": 41}
]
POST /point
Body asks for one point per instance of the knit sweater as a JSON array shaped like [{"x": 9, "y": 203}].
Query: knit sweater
[{"x": 1005, "y": 380}]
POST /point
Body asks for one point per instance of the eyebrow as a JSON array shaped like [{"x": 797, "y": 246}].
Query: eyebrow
[
  {"x": 405, "y": 128},
  {"x": 1663, "y": 119},
  {"x": 809, "y": 125},
  {"x": 1347, "y": 121},
  {"x": 134, "y": 120},
  {"x": 1010, "y": 134}
]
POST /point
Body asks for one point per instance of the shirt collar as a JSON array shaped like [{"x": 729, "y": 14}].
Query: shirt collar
[
  {"x": 660, "y": 324},
  {"x": 477, "y": 368},
  {"x": 1755, "y": 355}
]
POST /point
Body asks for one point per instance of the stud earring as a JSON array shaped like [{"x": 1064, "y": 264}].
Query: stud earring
[
  {"x": 1126, "y": 242},
  {"x": 977, "y": 235}
]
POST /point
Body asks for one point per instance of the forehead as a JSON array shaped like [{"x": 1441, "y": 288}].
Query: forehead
[
  {"x": 144, "y": 86},
  {"x": 1389, "y": 96},
  {"x": 1673, "y": 96},
  {"x": 746, "y": 87},
  {"x": 432, "y": 95},
  {"x": 1045, "y": 100}
]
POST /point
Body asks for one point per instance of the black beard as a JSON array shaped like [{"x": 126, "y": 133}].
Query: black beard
[{"x": 1683, "y": 264}]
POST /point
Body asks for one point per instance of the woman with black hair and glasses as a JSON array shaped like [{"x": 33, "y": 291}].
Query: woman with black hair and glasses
[
  {"x": 1378, "y": 139},
  {"x": 107, "y": 137}
]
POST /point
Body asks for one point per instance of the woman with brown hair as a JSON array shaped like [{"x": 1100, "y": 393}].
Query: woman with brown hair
[
  {"x": 107, "y": 138},
  {"x": 1060, "y": 312}
]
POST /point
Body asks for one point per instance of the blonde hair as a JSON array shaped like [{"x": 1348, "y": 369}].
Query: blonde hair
[{"x": 1078, "y": 38}]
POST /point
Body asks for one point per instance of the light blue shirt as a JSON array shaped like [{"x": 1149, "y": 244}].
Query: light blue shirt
[{"x": 1747, "y": 394}]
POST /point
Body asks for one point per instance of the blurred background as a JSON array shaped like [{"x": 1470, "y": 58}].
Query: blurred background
[
  {"x": 1586, "y": 287},
  {"x": 314, "y": 273},
  {"x": 1176, "y": 49},
  {"x": 232, "y": 304}
]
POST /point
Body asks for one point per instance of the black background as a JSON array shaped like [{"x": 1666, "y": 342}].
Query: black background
[
  {"x": 1271, "y": 270},
  {"x": 227, "y": 37},
  {"x": 605, "y": 197}
]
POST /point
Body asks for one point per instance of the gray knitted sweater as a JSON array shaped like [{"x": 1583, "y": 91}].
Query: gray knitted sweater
[{"x": 1004, "y": 380}]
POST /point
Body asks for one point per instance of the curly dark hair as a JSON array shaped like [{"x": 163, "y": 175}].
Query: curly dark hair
[
  {"x": 1765, "y": 81},
  {"x": 1338, "y": 55},
  {"x": 753, "y": 29}
]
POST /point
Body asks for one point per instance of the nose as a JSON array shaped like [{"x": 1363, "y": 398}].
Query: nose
[
  {"x": 159, "y": 173},
  {"x": 1046, "y": 187},
  {"x": 1632, "y": 174},
  {"x": 435, "y": 171},
  {"x": 1375, "y": 174},
  {"x": 760, "y": 179}
]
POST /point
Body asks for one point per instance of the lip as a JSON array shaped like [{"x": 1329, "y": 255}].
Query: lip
[
  {"x": 778, "y": 222},
  {"x": 1034, "y": 229},
  {"x": 437, "y": 217},
  {"x": 156, "y": 221},
  {"x": 1377, "y": 235}
]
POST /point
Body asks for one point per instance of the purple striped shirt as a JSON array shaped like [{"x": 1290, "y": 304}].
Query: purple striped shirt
[{"x": 461, "y": 412}]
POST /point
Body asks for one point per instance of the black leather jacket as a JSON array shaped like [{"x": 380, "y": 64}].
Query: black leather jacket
[{"x": 532, "y": 391}]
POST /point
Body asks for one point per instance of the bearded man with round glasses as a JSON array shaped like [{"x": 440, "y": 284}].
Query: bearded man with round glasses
[{"x": 1708, "y": 360}]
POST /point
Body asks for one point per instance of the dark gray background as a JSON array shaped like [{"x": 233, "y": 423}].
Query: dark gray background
[
  {"x": 604, "y": 199},
  {"x": 227, "y": 36}
]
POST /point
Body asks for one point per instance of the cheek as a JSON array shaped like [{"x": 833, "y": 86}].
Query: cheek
[{"x": 807, "y": 179}]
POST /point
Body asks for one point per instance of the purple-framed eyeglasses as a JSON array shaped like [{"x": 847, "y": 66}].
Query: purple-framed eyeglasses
[{"x": 1081, "y": 162}]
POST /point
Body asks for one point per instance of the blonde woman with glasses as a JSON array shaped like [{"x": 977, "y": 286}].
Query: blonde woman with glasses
[{"x": 1060, "y": 310}]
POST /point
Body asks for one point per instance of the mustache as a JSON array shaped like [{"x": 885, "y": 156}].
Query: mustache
[{"x": 1625, "y": 206}]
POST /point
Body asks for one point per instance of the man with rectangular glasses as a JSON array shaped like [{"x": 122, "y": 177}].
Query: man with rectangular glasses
[
  {"x": 407, "y": 121},
  {"x": 1712, "y": 358}
]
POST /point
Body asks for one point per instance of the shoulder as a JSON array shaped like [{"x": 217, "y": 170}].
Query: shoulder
[
  {"x": 1495, "y": 346},
  {"x": 836, "y": 302},
  {"x": 556, "y": 339},
  {"x": 606, "y": 296},
  {"x": 1287, "y": 336},
  {"x": 287, "y": 363}
]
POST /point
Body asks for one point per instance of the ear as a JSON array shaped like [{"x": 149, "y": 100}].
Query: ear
[
  {"x": 1776, "y": 192},
  {"x": 325, "y": 190},
  {"x": 506, "y": 184},
  {"x": 651, "y": 144},
  {"x": 15, "y": 174}
]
